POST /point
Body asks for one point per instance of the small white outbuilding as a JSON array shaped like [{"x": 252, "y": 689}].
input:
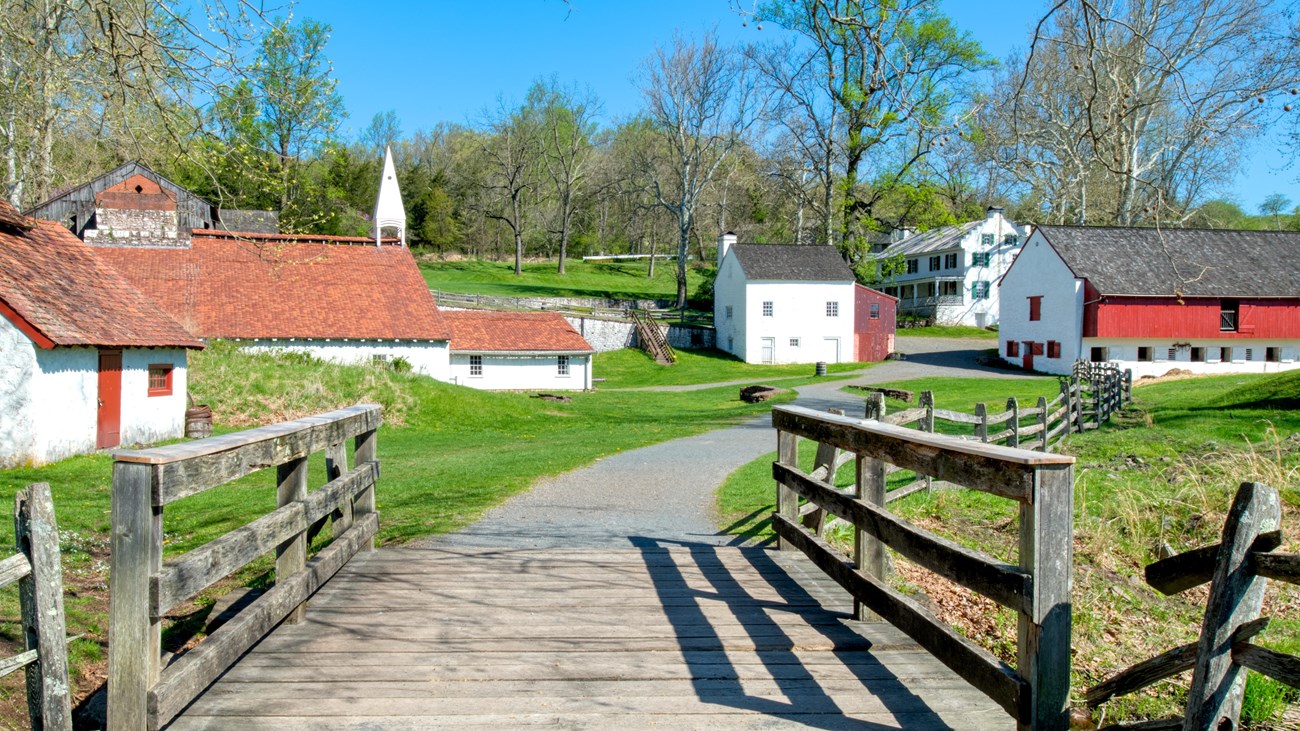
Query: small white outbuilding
[{"x": 515, "y": 351}]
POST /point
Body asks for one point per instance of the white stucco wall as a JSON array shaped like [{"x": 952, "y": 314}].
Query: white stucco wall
[
  {"x": 798, "y": 312},
  {"x": 522, "y": 372},
  {"x": 65, "y": 394},
  {"x": 1038, "y": 271},
  {"x": 1124, "y": 352},
  {"x": 17, "y": 415},
  {"x": 432, "y": 358},
  {"x": 970, "y": 311},
  {"x": 729, "y": 289},
  {"x": 147, "y": 419}
]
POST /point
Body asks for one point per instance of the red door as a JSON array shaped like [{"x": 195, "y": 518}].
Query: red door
[
  {"x": 108, "y": 420},
  {"x": 1029, "y": 355}
]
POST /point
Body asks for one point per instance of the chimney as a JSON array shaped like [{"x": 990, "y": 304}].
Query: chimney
[
  {"x": 995, "y": 211},
  {"x": 725, "y": 242}
]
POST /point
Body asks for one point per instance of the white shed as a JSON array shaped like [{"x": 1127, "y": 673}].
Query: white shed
[{"x": 514, "y": 351}]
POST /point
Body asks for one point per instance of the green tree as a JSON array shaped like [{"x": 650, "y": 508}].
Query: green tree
[
  {"x": 1274, "y": 205},
  {"x": 565, "y": 127}
]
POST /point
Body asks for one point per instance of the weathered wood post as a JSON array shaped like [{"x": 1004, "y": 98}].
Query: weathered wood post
[
  {"x": 787, "y": 501},
  {"x": 875, "y": 407},
  {"x": 1014, "y": 407},
  {"x": 1128, "y": 385},
  {"x": 823, "y": 469},
  {"x": 366, "y": 450},
  {"x": 291, "y": 555},
  {"x": 1076, "y": 396},
  {"x": 1043, "y": 634},
  {"x": 49, "y": 700},
  {"x": 982, "y": 428},
  {"x": 1236, "y": 596},
  {"x": 134, "y": 636},
  {"x": 1042, "y": 423},
  {"x": 869, "y": 551},
  {"x": 1067, "y": 415},
  {"x": 336, "y": 463},
  {"x": 927, "y": 425},
  {"x": 1096, "y": 401}
]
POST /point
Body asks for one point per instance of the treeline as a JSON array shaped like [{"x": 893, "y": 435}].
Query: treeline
[{"x": 861, "y": 117}]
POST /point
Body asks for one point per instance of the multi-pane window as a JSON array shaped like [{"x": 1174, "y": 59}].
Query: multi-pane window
[
  {"x": 728, "y": 312},
  {"x": 1036, "y": 307},
  {"x": 913, "y": 266},
  {"x": 934, "y": 263},
  {"x": 1011, "y": 239},
  {"x": 948, "y": 289},
  {"x": 794, "y": 342},
  {"x": 767, "y": 309},
  {"x": 986, "y": 239},
  {"x": 832, "y": 309},
  {"x": 949, "y": 261},
  {"x": 160, "y": 379},
  {"x": 476, "y": 366},
  {"x": 561, "y": 365},
  {"x": 1228, "y": 315},
  {"x": 875, "y": 311},
  {"x": 980, "y": 290},
  {"x": 979, "y": 259}
]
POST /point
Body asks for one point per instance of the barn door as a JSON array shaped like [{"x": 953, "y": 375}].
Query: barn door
[
  {"x": 1028, "y": 347},
  {"x": 108, "y": 421}
]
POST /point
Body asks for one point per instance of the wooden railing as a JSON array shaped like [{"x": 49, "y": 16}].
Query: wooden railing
[
  {"x": 652, "y": 339},
  {"x": 141, "y": 692},
  {"x": 1036, "y": 691},
  {"x": 1238, "y": 569},
  {"x": 37, "y": 569}
]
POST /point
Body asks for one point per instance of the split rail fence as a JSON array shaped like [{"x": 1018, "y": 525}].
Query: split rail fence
[
  {"x": 1036, "y": 691},
  {"x": 1238, "y": 569},
  {"x": 39, "y": 574},
  {"x": 142, "y": 693}
]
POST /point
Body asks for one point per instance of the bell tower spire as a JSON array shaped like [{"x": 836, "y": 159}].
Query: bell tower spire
[{"x": 389, "y": 211}]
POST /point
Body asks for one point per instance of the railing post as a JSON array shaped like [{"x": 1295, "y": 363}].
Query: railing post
[
  {"x": 869, "y": 551},
  {"x": 1236, "y": 597},
  {"x": 336, "y": 463},
  {"x": 366, "y": 450},
  {"x": 927, "y": 425},
  {"x": 49, "y": 702},
  {"x": 982, "y": 428},
  {"x": 291, "y": 556},
  {"x": 1096, "y": 401},
  {"x": 1014, "y": 407},
  {"x": 134, "y": 637},
  {"x": 1043, "y": 635},
  {"x": 787, "y": 501},
  {"x": 1042, "y": 423},
  {"x": 875, "y": 408},
  {"x": 1128, "y": 385}
]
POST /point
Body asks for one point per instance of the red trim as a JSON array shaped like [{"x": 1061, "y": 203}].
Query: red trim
[
  {"x": 28, "y": 329},
  {"x": 165, "y": 390},
  {"x": 1035, "y": 307}
]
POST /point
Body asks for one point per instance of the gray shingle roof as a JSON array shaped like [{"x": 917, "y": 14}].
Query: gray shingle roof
[
  {"x": 793, "y": 263},
  {"x": 939, "y": 239},
  {"x": 1181, "y": 262}
]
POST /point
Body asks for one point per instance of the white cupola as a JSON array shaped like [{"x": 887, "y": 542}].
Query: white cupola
[{"x": 389, "y": 211}]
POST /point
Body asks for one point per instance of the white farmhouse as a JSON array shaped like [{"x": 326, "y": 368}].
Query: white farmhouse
[
  {"x": 513, "y": 351},
  {"x": 1152, "y": 300},
  {"x": 781, "y": 303},
  {"x": 86, "y": 361},
  {"x": 951, "y": 273}
]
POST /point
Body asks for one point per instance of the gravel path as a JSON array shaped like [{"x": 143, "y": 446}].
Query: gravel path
[{"x": 664, "y": 492}]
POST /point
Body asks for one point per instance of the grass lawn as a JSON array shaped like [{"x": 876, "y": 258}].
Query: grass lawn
[
  {"x": 448, "y": 453},
  {"x": 615, "y": 279},
  {"x": 1163, "y": 471},
  {"x": 948, "y": 331},
  {"x": 631, "y": 368}
]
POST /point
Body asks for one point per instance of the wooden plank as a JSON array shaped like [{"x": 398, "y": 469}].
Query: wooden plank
[
  {"x": 976, "y": 665},
  {"x": 1192, "y": 568},
  {"x": 956, "y": 416},
  {"x": 1166, "y": 664},
  {"x": 990, "y": 468},
  {"x": 14, "y": 568},
  {"x": 336, "y": 465},
  {"x": 365, "y": 449},
  {"x": 1043, "y": 632},
  {"x": 49, "y": 699},
  {"x": 825, "y": 464},
  {"x": 1001, "y": 582},
  {"x": 869, "y": 551},
  {"x": 907, "y": 416},
  {"x": 1235, "y": 598},
  {"x": 787, "y": 502},
  {"x": 1276, "y": 665},
  {"x": 14, "y": 663},
  {"x": 195, "y": 670},
  {"x": 982, "y": 426},
  {"x": 1279, "y": 566},
  {"x": 291, "y": 554},
  {"x": 131, "y": 666},
  {"x": 899, "y": 493}
]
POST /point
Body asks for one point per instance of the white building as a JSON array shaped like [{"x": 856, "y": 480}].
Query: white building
[
  {"x": 515, "y": 351},
  {"x": 780, "y": 303},
  {"x": 951, "y": 273},
  {"x": 86, "y": 361},
  {"x": 1153, "y": 300}
]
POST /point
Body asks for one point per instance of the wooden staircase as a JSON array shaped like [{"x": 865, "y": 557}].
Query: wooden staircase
[{"x": 652, "y": 338}]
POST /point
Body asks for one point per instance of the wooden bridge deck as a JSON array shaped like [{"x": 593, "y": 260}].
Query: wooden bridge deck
[{"x": 666, "y": 637}]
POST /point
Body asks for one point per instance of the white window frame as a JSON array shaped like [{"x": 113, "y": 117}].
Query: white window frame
[
  {"x": 562, "y": 366},
  {"x": 794, "y": 342},
  {"x": 832, "y": 309},
  {"x": 767, "y": 308},
  {"x": 476, "y": 366}
]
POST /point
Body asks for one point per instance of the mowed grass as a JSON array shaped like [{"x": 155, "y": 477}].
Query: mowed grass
[
  {"x": 631, "y": 368},
  {"x": 948, "y": 331},
  {"x": 614, "y": 279},
  {"x": 1162, "y": 472}
]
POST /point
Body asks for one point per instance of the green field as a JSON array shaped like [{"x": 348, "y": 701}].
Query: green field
[
  {"x": 630, "y": 368},
  {"x": 948, "y": 331},
  {"x": 614, "y": 279}
]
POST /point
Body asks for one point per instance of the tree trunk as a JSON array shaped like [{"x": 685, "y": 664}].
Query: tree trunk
[
  {"x": 651, "y": 275},
  {"x": 683, "y": 247},
  {"x": 566, "y": 213}
]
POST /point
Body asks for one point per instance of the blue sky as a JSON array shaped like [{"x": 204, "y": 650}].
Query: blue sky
[{"x": 451, "y": 60}]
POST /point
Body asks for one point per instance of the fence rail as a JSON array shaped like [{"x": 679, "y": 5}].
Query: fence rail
[
  {"x": 1036, "y": 691},
  {"x": 38, "y": 571},
  {"x": 1237, "y": 569},
  {"x": 141, "y": 692}
]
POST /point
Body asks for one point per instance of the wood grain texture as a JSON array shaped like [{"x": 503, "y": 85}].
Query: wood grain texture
[
  {"x": 49, "y": 697},
  {"x": 131, "y": 664},
  {"x": 1274, "y": 664},
  {"x": 1278, "y": 566},
  {"x": 14, "y": 568},
  {"x": 1192, "y": 568}
]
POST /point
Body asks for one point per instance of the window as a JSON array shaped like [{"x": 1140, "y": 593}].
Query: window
[
  {"x": 1013, "y": 349},
  {"x": 476, "y": 366},
  {"x": 934, "y": 263},
  {"x": 1036, "y": 307},
  {"x": 913, "y": 266},
  {"x": 948, "y": 289},
  {"x": 1053, "y": 349},
  {"x": 949, "y": 261},
  {"x": 1100, "y": 355},
  {"x": 794, "y": 342},
  {"x": 767, "y": 309},
  {"x": 728, "y": 312},
  {"x": 1173, "y": 354},
  {"x": 1011, "y": 239},
  {"x": 1250, "y": 354},
  {"x": 160, "y": 379},
  {"x": 1273, "y": 355},
  {"x": 980, "y": 260},
  {"x": 875, "y": 311},
  {"x": 927, "y": 289},
  {"x": 832, "y": 309},
  {"x": 1225, "y": 355},
  {"x": 986, "y": 239},
  {"x": 1144, "y": 353},
  {"x": 1198, "y": 355},
  {"x": 1228, "y": 312},
  {"x": 562, "y": 365},
  {"x": 907, "y": 292},
  {"x": 980, "y": 290}
]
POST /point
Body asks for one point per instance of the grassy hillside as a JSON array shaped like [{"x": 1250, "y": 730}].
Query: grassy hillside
[
  {"x": 616, "y": 279},
  {"x": 1163, "y": 472},
  {"x": 630, "y": 368}
]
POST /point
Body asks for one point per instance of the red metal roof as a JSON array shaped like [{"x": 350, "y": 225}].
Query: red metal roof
[
  {"x": 54, "y": 288},
  {"x": 272, "y": 286},
  {"x": 484, "y": 331}
]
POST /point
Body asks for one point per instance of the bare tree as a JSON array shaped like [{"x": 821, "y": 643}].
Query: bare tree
[
  {"x": 564, "y": 119},
  {"x": 511, "y": 153},
  {"x": 701, "y": 99}
]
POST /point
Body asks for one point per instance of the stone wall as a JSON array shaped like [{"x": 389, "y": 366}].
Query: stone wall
[
  {"x": 125, "y": 227},
  {"x": 606, "y": 335}
]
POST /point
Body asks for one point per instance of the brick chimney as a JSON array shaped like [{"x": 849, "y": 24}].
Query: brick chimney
[{"x": 725, "y": 242}]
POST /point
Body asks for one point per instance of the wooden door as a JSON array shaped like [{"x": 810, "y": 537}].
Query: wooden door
[
  {"x": 768, "y": 355},
  {"x": 831, "y": 350},
  {"x": 108, "y": 421},
  {"x": 1029, "y": 355}
]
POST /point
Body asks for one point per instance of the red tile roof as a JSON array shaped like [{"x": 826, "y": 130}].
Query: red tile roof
[
  {"x": 482, "y": 331},
  {"x": 137, "y": 193},
  {"x": 54, "y": 288},
  {"x": 270, "y": 286}
]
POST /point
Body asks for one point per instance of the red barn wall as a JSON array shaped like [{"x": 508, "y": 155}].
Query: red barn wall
[
  {"x": 1136, "y": 317},
  {"x": 873, "y": 339}
]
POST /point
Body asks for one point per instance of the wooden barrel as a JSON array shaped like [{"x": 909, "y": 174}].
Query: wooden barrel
[
  {"x": 198, "y": 422},
  {"x": 821, "y": 367}
]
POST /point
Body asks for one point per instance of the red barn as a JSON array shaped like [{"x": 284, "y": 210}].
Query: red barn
[{"x": 874, "y": 320}]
